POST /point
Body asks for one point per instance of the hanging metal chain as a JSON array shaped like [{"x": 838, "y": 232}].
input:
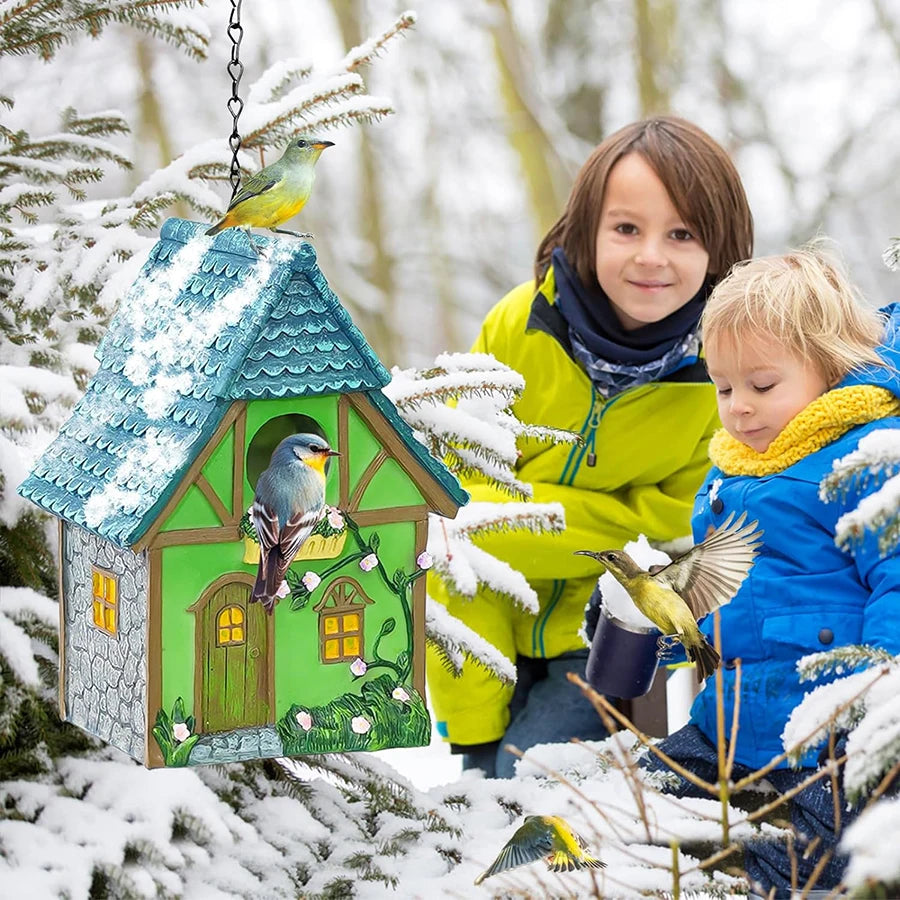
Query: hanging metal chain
[{"x": 235, "y": 104}]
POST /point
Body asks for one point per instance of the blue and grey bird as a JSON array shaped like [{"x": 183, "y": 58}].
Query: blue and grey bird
[
  {"x": 550, "y": 838},
  {"x": 289, "y": 500}
]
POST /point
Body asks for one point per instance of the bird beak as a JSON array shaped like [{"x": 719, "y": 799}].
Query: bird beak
[
  {"x": 593, "y": 554},
  {"x": 321, "y": 145},
  {"x": 332, "y": 453}
]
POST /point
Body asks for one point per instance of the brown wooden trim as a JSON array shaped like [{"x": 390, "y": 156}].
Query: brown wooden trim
[
  {"x": 366, "y": 479},
  {"x": 215, "y": 501},
  {"x": 216, "y": 535},
  {"x": 153, "y": 758},
  {"x": 62, "y": 620},
  {"x": 231, "y": 415},
  {"x": 389, "y": 516},
  {"x": 434, "y": 494},
  {"x": 199, "y": 650},
  {"x": 344, "y": 448},
  {"x": 237, "y": 469},
  {"x": 418, "y": 614}
]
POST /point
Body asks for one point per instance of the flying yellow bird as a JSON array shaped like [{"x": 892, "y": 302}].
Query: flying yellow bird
[
  {"x": 276, "y": 193},
  {"x": 543, "y": 837},
  {"x": 694, "y": 584}
]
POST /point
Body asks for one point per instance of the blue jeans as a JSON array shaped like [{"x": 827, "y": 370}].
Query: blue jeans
[
  {"x": 546, "y": 708},
  {"x": 768, "y": 862}
]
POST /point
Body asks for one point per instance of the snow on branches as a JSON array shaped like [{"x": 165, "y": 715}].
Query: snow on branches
[
  {"x": 865, "y": 703},
  {"x": 461, "y": 410}
]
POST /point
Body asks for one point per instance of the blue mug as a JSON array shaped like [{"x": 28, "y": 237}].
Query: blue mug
[{"x": 623, "y": 658}]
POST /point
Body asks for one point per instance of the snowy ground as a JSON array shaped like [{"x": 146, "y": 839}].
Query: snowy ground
[{"x": 425, "y": 767}]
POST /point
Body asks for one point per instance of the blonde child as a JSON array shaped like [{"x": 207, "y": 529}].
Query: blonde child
[
  {"x": 803, "y": 369},
  {"x": 607, "y": 338}
]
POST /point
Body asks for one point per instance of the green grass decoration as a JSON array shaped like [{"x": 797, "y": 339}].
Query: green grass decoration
[
  {"x": 392, "y": 722},
  {"x": 175, "y": 752}
]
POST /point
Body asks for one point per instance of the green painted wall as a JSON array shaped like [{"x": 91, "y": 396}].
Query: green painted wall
[{"x": 187, "y": 571}]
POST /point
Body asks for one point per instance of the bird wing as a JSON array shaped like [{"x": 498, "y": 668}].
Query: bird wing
[
  {"x": 296, "y": 530},
  {"x": 265, "y": 521},
  {"x": 254, "y": 186},
  {"x": 518, "y": 853},
  {"x": 711, "y": 572}
]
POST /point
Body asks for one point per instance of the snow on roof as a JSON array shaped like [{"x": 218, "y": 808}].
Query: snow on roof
[{"x": 206, "y": 323}]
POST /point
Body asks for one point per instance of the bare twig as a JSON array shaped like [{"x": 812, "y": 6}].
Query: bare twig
[{"x": 600, "y": 701}]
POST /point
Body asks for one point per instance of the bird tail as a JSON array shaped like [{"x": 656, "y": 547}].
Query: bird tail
[
  {"x": 706, "y": 658},
  {"x": 269, "y": 576},
  {"x": 219, "y": 226},
  {"x": 562, "y": 861}
]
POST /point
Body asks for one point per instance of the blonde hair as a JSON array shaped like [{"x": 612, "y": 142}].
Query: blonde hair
[{"x": 802, "y": 300}]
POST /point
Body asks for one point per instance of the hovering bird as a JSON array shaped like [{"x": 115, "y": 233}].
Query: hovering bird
[
  {"x": 676, "y": 595},
  {"x": 289, "y": 499},
  {"x": 543, "y": 837},
  {"x": 277, "y": 192}
]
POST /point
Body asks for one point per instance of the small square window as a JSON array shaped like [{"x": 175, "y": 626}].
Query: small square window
[{"x": 105, "y": 604}]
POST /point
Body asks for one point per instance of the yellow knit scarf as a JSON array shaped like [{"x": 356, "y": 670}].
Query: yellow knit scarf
[{"x": 820, "y": 423}]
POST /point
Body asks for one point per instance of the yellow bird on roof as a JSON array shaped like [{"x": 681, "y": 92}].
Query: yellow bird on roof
[{"x": 278, "y": 192}]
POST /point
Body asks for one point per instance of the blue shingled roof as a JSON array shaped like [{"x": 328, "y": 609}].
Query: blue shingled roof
[{"x": 206, "y": 323}]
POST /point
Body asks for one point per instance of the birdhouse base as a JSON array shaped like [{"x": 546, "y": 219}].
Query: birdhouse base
[{"x": 383, "y": 716}]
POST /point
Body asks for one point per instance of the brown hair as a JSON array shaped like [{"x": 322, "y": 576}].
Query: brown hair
[
  {"x": 802, "y": 301},
  {"x": 698, "y": 174}
]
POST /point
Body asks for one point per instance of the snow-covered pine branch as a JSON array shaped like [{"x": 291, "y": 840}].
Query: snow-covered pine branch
[
  {"x": 41, "y": 28},
  {"x": 876, "y": 459},
  {"x": 366, "y": 52},
  {"x": 865, "y": 703},
  {"x": 467, "y": 569},
  {"x": 461, "y": 410},
  {"x": 455, "y": 642}
]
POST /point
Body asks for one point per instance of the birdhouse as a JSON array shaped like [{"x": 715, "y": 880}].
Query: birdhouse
[{"x": 214, "y": 356}]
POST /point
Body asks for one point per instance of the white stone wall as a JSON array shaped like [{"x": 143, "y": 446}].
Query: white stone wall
[{"x": 106, "y": 676}]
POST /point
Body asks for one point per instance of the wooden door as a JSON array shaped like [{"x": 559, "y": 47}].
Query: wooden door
[{"x": 234, "y": 665}]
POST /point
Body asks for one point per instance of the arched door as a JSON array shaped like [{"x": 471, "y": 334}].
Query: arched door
[{"x": 233, "y": 667}]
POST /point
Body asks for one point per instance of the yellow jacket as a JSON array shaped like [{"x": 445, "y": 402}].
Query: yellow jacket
[{"x": 644, "y": 456}]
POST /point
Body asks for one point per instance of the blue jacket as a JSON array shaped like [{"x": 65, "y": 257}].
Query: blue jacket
[{"x": 803, "y": 594}]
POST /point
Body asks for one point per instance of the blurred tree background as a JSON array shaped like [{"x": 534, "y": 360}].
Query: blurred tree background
[{"x": 425, "y": 219}]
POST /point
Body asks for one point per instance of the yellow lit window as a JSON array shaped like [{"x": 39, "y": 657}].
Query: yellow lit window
[
  {"x": 343, "y": 636},
  {"x": 105, "y": 601},
  {"x": 341, "y": 621},
  {"x": 230, "y": 626}
]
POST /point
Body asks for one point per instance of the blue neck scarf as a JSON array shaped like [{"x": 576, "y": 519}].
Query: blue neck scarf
[{"x": 616, "y": 359}]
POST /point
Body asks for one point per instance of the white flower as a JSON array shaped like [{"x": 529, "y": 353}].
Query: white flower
[
  {"x": 283, "y": 589},
  {"x": 367, "y": 563},
  {"x": 360, "y": 724},
  {"x": 304, "y": 720},
  {"x": 310, "y": 581},
  {"x": 358, "y": 667},
  {"x": 181, "y": 731},
  {"x": 399, "y": 694},
  {"x": 335, "y": 519},
  {"x": 424, "y": 560}
]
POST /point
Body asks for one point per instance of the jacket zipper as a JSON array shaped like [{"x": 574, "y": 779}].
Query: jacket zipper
[{"x": 585, "y": 451}]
